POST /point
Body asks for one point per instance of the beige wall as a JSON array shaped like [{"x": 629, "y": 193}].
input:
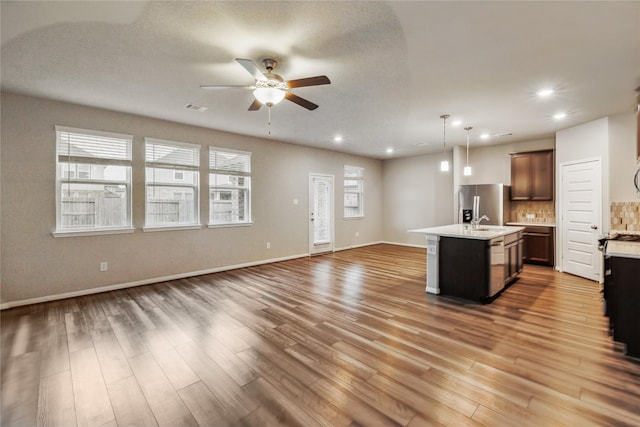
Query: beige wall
[
  {"x": 622, "y": 157},
  {"x": 416, "y": 195},
  {"x": 37, "y": 265}
]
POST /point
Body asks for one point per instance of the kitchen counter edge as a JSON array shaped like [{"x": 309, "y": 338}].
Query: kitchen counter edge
[{"x": 466, "y": 232}]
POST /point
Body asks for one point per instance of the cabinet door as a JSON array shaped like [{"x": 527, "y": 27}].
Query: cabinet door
[
  {"x": 542, "y": 176},
  {"x": 520, "y": 176},
  {"x": 538, "y": 247}
]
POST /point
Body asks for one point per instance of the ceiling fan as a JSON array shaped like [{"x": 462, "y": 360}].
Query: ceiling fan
[{"x": 269, "y": 88}]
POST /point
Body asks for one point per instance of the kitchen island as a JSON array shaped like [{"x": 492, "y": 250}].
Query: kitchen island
[{"x": 472, "y": 263}]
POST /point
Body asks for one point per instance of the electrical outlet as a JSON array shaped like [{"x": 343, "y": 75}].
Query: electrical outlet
[
  {"x": 104, "y": 266},
  {"x": 357, "y": 233},
  {"x": 531, "y": 216},
  {"x": 295, "y": 201},
  {"x": 268, "y": 245}
]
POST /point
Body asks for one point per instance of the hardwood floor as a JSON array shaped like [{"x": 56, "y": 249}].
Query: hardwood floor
[{"x": 344, "y": 339}]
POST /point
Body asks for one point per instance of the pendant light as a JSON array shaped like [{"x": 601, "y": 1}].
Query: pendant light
[
  {"x": 467, "y": 169},
  {"x": 444, "y": 164}
]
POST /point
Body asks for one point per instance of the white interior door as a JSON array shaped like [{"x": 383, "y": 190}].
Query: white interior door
[
  {"x": 580, "y": 206},
  {"x": 320, "y": 213}
]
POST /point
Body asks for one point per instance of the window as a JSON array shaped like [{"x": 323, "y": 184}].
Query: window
[
  {"x": 172, "y": 182},
  {"x": 353, "y": 192},
  {"x": 229, "y": 187},
  {"x": 93, "y": 180}
]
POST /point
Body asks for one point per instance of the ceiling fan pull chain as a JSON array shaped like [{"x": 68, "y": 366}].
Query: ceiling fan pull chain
[{"x": 269, "y": 122}]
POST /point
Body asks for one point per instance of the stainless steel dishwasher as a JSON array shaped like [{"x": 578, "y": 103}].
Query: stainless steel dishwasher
[{"x": 496, "y": 273}]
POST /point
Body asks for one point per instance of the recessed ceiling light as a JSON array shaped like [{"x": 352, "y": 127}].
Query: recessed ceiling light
[
  {"x": 389, "y": 150},
  {"x": 544, "y": 93},
  {"x": 559, "y": 116},
  {"x": 484, "y": 136},
  {"x": 421, "y": 144},
  {"x": 338, "y": 138},
  {"x": 456, "y": 123}
]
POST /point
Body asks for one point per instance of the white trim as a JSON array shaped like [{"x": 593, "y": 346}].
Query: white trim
[
  {"x": 96, "y": 232},
  {"x": 410, "y": 245},
  {"x": 172, "y": 228},
  {"x": 349, "y": 218},
  {"x": 118, "y": 286},
  {"x": 231, "y": 224}
]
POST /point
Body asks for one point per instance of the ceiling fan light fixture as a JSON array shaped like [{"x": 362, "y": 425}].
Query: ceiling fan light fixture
[{"x": 269, "y": 95}]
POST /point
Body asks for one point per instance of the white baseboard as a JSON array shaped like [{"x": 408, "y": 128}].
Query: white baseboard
[
  {"x": 344, "y": 248},
  {"x": 115, "y": 287},
  {"x": 410, "y": 245}
]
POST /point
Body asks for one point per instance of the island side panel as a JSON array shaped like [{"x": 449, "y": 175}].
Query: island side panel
[
  {"x": 432, "y": 264},
  {"x": 463, "y": 271}
]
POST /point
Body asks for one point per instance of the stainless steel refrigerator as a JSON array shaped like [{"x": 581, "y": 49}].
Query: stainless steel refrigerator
[{"x": 494, "y": 202}]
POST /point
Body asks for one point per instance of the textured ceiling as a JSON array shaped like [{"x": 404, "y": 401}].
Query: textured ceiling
[{"x": 395, "y": 67}]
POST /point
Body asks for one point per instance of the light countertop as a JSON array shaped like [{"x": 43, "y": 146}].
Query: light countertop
[
  {"x": 483, "y": 232},
  {"x": 623, "y": 249},
  {"x": 533, "y": 224}
]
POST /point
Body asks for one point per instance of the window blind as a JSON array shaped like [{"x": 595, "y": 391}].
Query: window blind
[
  {"x": 229, "y": 162},
  {"x": 160, "y": 153},
  {"x": 88, "y": 146}
]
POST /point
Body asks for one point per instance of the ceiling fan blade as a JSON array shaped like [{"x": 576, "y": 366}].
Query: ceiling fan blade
[
  {"x": 252, "y": 68},
  {"x": 300, "y": 101},
  {"x": 255, "y": 106},
  {"x": 227, "y": 87},
  {"x": 309, "y": 81}
]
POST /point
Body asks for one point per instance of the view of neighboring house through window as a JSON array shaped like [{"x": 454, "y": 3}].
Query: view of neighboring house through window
[
  {"x": 172, "y": 180},
  {"x": 353, "y": 191},
  {"x": 93, "y": 180},
  {"x": 229, "y": 187}
]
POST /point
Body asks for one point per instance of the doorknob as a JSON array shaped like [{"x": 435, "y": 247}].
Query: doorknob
[{"x": 594, "y": 227}]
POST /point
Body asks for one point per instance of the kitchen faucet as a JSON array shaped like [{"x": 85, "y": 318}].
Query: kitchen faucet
[{"x": 475, "y": 222}]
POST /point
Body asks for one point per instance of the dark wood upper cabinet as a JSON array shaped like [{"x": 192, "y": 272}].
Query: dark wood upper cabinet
[{"x": 532, "y": 175}]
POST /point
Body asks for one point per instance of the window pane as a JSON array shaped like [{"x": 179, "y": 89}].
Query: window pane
[
  {"x": 353, "y": 190},
  {"x": 229, "y": 186},
  {"x": 91, "y": 205},
  {"x": 222, "y": 180},
  {"x": 168, "y": 205},
  {"x": 171, "y": 176},
  {"x": 93, "y": 172},
  {"x": 228, "y": 206}
]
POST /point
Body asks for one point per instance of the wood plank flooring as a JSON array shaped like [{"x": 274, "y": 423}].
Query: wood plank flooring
[{"x": 344, "y": 339}]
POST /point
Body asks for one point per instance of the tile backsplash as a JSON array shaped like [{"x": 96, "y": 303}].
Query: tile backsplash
[
  {"x": 625, "y": 216},
  {"x": 544, "y": 212}
]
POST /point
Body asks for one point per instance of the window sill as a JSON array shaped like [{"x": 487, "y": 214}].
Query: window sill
[
  {"x": 348, "y": 218},
  {"x": 172, "y": 228},
  {"x": 81, "y": 233},
  {"x": 239, "y": 224}
]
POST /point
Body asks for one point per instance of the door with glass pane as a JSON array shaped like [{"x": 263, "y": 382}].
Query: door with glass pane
[{"x": 320, "y": 213}]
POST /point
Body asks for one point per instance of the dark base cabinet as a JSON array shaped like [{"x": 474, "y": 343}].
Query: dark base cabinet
[
  {"x": 478, "y": 270},
  {"x": 539, "y": 245},
  {"x": 622, "y": 301},
  {"x": 463, "y": 271}
]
